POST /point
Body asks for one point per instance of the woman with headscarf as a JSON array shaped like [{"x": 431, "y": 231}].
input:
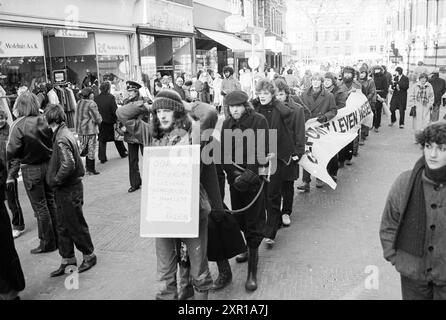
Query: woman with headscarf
[{"x": 87, "y": 121}]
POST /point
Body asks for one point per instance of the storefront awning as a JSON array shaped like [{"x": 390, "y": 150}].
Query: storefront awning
[{"x": 228, "y": 40}]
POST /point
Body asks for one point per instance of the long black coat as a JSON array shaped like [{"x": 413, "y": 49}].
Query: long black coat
[
  {"x": 11, "y": 274},
  {"x": 399, "y": 98},
  {"x": 296, "y": 124},
  {"x": 107, "y": 108}
]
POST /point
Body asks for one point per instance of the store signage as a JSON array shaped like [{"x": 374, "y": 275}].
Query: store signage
[
  {"x": 112, "y": 44},
  {"x": 20, "y": 42},
  {"x": 169, "y": 16},
  {"x": 67, "y": 33},
  {"x": 235, "y": 24}
]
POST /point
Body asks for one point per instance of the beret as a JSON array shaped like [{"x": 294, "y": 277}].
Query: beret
[{"x": 236, "y": 98}]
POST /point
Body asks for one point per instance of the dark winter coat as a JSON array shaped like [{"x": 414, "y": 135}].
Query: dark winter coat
[
  {"x": 324, "y": 105},
  {"x": 399, "y": 97},
  {"x": 381, "y": 85},
  {"x": 65, "y": 167},
  {"x": 439, "y": 86},
  {"x": 296, "y": 124},
  {"x": 369, "y": 88},
  {"x": 343, "y": 92},
  {"x": 107, "y": 108},
  {"x": 280, "y": 113}
]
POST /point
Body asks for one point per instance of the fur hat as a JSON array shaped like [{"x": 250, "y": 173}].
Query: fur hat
[{"x": 168, "y": 99}]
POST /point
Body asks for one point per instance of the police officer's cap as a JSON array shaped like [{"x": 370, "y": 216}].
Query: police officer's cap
[{"x": 133, "y": 86}]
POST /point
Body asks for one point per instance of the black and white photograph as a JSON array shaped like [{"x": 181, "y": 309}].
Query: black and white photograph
[{"x": 236, "y": 152}]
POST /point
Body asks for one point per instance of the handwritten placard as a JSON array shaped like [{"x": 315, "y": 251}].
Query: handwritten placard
[{"x": 170, "y": 192}]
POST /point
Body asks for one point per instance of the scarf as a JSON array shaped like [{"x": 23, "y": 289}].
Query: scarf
[
  {"x": 411, "y": 232},
  {"x": 422, "y": 95}
]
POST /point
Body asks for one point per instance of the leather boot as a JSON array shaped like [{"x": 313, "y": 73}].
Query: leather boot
[
  {"x": 91, "y": 170},
  {"x": 224, "y": 275},
  {"x": 200, "y": 295},
  {"x": 253, "y": 259},
  {"x": 242, "y": 257}
]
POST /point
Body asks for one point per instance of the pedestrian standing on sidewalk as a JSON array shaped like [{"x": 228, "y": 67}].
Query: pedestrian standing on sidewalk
[
  {"x": 439, "y": 86},
  {"x": 134, "y": 147},
  {"x": 87, "y": 121},
  {"x": 244, "y": 190},
  {"x": 13, "y": 167},
  {"x": 171, "y": 125},
  {"x": 276, "y": 114},
  {"x": 64, "y": 175},
  {"x": 382, "y": 90},
  {"x": 322, "y": 106},
  {"x": 421, "y": 100},
  {"x": 107, "y": 108},
  {"x": 412, "y": 232},
  {"x": 228, "y": 85},
  {"x": 30, "y": 141},
  {"x": 399, "y": 98},
  {"x": 296, "y": 124}
]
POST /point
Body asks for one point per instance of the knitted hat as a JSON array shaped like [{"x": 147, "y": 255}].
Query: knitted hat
[
  {"x": 236, "y": 98},
  {"x": 168, "y": 99}
]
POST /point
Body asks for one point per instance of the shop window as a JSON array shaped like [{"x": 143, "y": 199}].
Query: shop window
[
  {"x": 182, "y": 57},
  {"x": 148, "y": 55},
  {"x": 21, "y": 71}
]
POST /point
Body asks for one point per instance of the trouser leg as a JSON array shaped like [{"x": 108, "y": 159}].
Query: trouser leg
[
  {"x": 377, "y": 115},
  {"x": 306, "y": 176},
  {"x": 166, "y": 257},
  {"x": 273, "y": 205},
  {"x": 402, "y": 115},
  {"x": 134, "y": 175},
  {"x": 416, "y": 290},
  {"x": 102, "y": 153},
  {"x": 121, "y": 148},
  {"x": 287, "y": 197},
  {"x": 12, "y": 195},
  {"x": 393, "y": 115}
]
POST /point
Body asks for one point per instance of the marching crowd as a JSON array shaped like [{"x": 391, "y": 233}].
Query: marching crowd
[{"x": 167, "y": 112}]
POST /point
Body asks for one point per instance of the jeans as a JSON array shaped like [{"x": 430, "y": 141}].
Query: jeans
[
  {"x": 72, "y": 228},
  {"x": 102, "y": 153},
  {"x": 287, "y": 197},
  {"x": 274, "y": 220},
  {"x": 377, "y": 115},
  {"x": 12, "y": 195},
  {"x": 42, "y": 201},
  {"x": 167, "y": 263},
  {"x": 417, "y": 290},
  {"x": 134, "y": 175}
]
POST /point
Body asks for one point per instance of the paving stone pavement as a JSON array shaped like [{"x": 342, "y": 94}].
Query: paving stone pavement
[{"x": 325, "y": 254}]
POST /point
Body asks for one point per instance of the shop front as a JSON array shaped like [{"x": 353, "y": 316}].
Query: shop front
[
  {"x": 166, "y": 41},
  {"x": 22, "y": 61}
]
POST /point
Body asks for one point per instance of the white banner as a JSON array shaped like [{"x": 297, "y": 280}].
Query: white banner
[
  {"x": 325, "y": 140},
  {"x": 20, "y": 42}
]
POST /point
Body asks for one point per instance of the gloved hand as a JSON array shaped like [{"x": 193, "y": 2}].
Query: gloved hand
[
  {"x": 247, "y": 181},
  {"x": 10, "y": 185},
  {"x": 322, "y": 119}
]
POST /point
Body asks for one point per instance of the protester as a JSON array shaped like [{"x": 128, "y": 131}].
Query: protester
[
  {"x": 171, "y": 125},
  {"x": 369, "y": 89},
  {"x": 322, "y": 106},
  {"x": 64, "y": 175},
  {"x": 243, "y": 177},
  {"x": 107, "y": 109},
  {"x": 346, "y": 87},
  {"x": 399, "y": 98},
  {"x": 30, "y": 141},
  {"x": 276, "y": 114},
  {"x": 87, "y": 121},
  {"x": 290, "y": 173},
  {"x": 12, "y": 168},
  {"x": 292, "y": 81},
  {"x": 228, "y": 85},
  {"x": 382, "y": 90},
  {"x": 421, "y": 101},
  {"x": 178, "y": 87},
  {"x": 439, "y": 86},
  {"x": 412, "y": 233}
]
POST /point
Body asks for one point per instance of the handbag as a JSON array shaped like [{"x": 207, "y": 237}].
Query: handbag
[
  {"x": 413, "y": 111},
  {"x": 119, "y": 134}
]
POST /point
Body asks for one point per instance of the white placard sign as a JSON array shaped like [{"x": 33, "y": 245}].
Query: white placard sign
[{"x": 170, "y": 192}]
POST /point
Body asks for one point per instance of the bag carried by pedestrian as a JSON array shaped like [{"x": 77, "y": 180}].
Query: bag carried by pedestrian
[
  {"x": 386, "y": 109},
  {"x": 413, "y": 111},
  {"x": 119, "y": 134}
]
